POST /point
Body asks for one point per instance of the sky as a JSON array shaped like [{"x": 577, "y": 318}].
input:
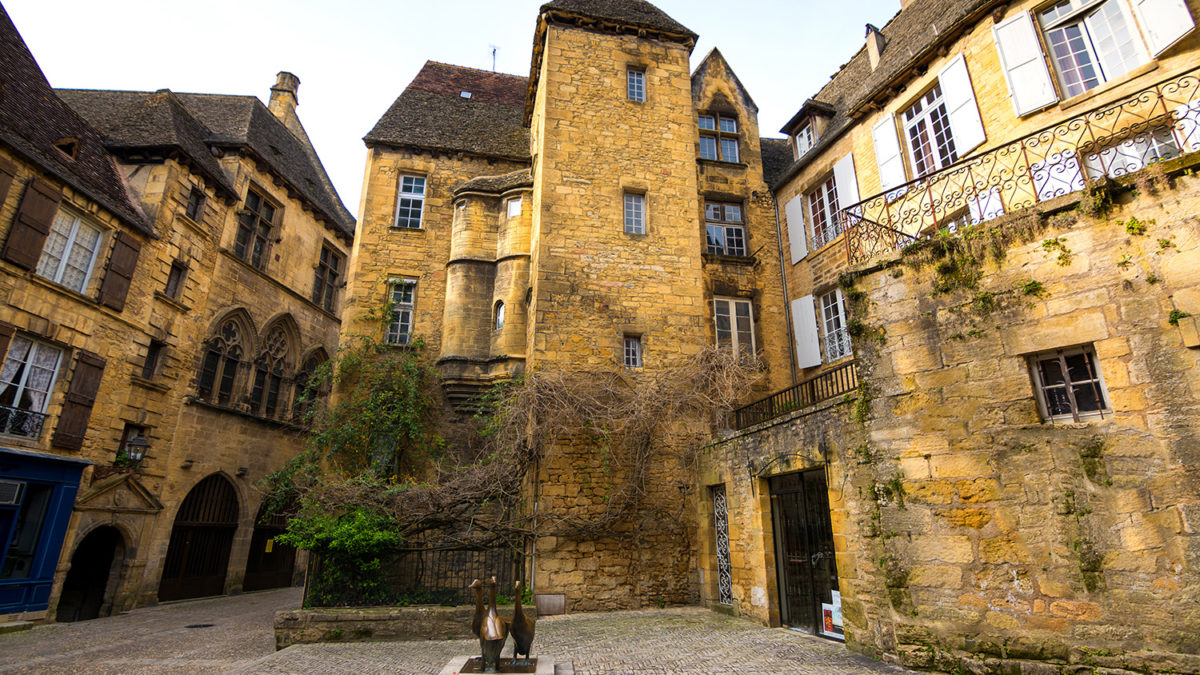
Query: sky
[{"x": 354, "y": 57}]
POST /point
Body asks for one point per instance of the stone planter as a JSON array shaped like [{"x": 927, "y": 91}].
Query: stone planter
[{"x": 363, "y": 624}]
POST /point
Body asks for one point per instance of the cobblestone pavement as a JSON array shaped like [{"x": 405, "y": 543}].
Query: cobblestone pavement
[{"x": 240, "y": 639}]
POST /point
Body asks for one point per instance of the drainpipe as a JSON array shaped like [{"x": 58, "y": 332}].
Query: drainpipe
[{"x": 787, "y": 305}]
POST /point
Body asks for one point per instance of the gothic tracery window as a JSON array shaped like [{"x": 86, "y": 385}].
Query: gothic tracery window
[
  {"x": 269, "y": 369},
  {"x": 222, "y": 356}
]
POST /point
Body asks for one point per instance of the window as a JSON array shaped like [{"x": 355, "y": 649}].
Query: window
[
  {"x": 153, "y": 357},
  {"x": 25, "y": 386},
  {"x": 633, "y": 351},
  {"x": 635, "y": 213},
  {"x": 823, "y": 212},
  {"x": 498, "y": 315},
  {"x": 195, "y": 205},
  {"x": 255, "y": 223},
  {"x": 328, "y": 278},
  {"x": 718, "y": 138},
  {"x": 222, "y": 356},
  {"x": 635, "y": 81},
  {"x": 269, "y": 369},
  {"x": 403, "y": 297},
  {"x": 70, "y": 251},
  {"x": 735, "y": 324},
  {"x": 410, "y": 202},
  {"x": 725, "y": 232},
  {"x": 1069, "y": 385},
  {"x": 804, "y": 140},
  {"x": 175, "y": 278},
  {"x": 513, "y": 207},
  {"x": 833, "y": 320},
  {"x": 930, "y": 139},
  {"x": 1090, "y": 42}
]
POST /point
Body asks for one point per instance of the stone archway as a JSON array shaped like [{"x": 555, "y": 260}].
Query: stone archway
[
  {"x": 198, "y": 555},
  {"x": 269, "y": 564},
  {"x": 88, "y": 590}
]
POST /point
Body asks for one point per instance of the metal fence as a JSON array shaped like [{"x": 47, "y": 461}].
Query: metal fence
[
  {"x": 18, "y": 422},
  {"x": 836, "y": 382},
  {"x": 1156, "y": 123}
]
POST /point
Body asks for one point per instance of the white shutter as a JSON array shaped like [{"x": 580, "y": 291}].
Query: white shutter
[
  {"x": 959, "y": 96},
  {"x": 846, "y": 181},
  {"x": 1023, "y": 64},
  {"x": 887, "y": 154},
  {"x": 1163, "y": 22},
  {"x": 1057, "y": 175},
  {"x": 986, "y": 206},
  {"x": 796, "y": 229},
  {"x": 804, "y": 324}
]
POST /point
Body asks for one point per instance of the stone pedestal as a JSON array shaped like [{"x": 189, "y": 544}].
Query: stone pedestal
[{"x": 542, "y": 665}]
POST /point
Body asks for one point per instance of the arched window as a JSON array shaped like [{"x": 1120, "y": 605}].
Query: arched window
[
  {"x": 269, "y": 369},
  {"x": 221, "y": 358},
  {"x": 499, "y": 314},
  {"x": 307, "y": 391}
]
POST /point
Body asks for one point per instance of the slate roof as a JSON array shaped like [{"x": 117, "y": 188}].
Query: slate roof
[
  {"x": 194, "y": 123},
  {"x": 496, "y": 184},
  {"x": 912, "y": 36},
  {"x": 431, "y": 113},
  {"x": 636, "y": 13},
  {"x": 32, "y": 118},
  {"x": 776, "y": 158}
]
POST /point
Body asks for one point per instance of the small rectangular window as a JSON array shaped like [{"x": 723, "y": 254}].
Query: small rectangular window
[
  {"x": 1069, "y": 385},
  {"x": 804, "y": 140},
  {"x": 153, "y": 357},
  {"x": 633, "y": 351},
  {"x": 719, "y": 138},
  {"x": 410, "y": 202},
  {"x": 328, "y": 278},
  {"x": 402, "y": 294},
  {"x": 735, "y": 324},
  {"x": 256, "y": 222},
  {"x": 635, "y": 213},
  {"x": 70, "y": 251},
  {"x": 175, "y": 278},
  {"x": 725, "y": 233},
  {"x": 514, "y": 208},
  {"x": 636, "y": 85},
  {"x": 195, "y": 205}
]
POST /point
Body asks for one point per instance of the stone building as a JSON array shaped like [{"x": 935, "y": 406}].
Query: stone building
[
  {"x": 607, "y": 213},
  {"x": 988, "y": 462},
  {"x": 172, "y": 268}
]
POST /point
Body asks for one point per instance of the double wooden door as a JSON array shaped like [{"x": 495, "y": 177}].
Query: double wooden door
[{"x": 807, "y": 570}]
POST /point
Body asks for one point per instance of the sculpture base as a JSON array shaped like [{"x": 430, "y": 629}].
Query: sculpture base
[{"x": 462, "y": 665}]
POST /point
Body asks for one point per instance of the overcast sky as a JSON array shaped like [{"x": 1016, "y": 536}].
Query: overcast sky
[{"x": 354, "y": 57}]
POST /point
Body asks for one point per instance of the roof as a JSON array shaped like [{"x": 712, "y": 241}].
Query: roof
[
  {"x": 32, "y": 118},
  {"x": 634, "y": 13},
  {"x": 911, "y": 37},
  {"x": 496, "y": 184},
  {"x": 195, "y": 123},
  {"x": 776, "y": 158},
  {"x": 432, "y": 113}
]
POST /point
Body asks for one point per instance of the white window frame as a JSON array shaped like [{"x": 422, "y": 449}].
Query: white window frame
[
  {"x": 924, "y": 122},
  {"x": 1096, "y": 381},
  {"x": 731, "y": 219},
  {"x": 634, "y": 210},
  {"x": 498, "y": 315},
  {"x": 833, "y": 326},
  {"x": 512, "y": 207},
  {"x": 22, "y": 381},
  {"x": 414, "y": 197},
  {"x": 632, "y": 350},
  {"x": 635, "y": 85},
  {"x": 731, "y": 306},
  {"x": 720, "y": 130},
  {"x": 403, "y": 313},
  {"x": 805, "y": 140},
  {"x": 1088, "y": 14},
  {"x": 73, "y": 224},
  {"x": 827, "y": 207}
]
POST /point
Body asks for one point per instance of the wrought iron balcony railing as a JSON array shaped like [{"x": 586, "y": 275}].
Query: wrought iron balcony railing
[
  {"x": 840, "y": 380},
  {"x": 1159, "y": 122},
  {"x": 18, "y": 422}
]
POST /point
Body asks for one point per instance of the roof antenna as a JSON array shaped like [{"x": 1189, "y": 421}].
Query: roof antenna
[{"x": 494, "y": 50}]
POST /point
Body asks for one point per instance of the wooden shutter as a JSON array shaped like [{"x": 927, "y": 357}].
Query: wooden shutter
[
  {"x": 6, "y": 334},
  {"x": 887, "y": 154},
  {"x": 846, "y": 181},
  {"x": 29, "y": 229},
  {"x": 8, "y": 171},
  {"x": 120, "y": 271},
  {"x": 77, "y": 410},
  {"x": 804, "y": 326},
  {"x": 961, "y": 107},
  {"x": 796, "y": 228},
  {"x": 1164, "y": 22},
  {"x": 1024, "y": 66}
]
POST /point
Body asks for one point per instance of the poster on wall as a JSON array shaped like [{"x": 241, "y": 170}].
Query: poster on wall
[{"x": 831, "y": 617}]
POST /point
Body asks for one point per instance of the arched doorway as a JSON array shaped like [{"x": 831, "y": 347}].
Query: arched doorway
[
  {"x": 198, "y": 555},
  {"x": 87, "y": 592},
  {"x": 269, "y": 564}
]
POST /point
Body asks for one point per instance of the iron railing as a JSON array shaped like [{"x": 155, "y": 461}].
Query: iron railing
[
  {"x": 840, "y": 380},
  {"x": 1112, "y": 140},
  {"x": 18, "y": 422}
]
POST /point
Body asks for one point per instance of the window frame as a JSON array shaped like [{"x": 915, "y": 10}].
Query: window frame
[
  {"x": 1081, "y": 14},
  {"x": 399, "y": 311},
  {"x": 193, "y": 209},
  {"x": 940, "y": 154},
  {"x": 509, "y": 203},
  {"x": 260, "y": 231},
  {"x": 632, "y": 351},
  {"x": 1034, "y": 362},
  {"x": 498, "y": 315},
  {"x": 78, "y": 222},
  {"x": 726, "y": 225},
  {"x": 635, "y": 84},
  {"x": 719, "y": 137},
  {"x": 23, "y": 384},
  {"x": 227, "y": 356},
  {"x": 634, "y": 220},
  {"x": 417, "y": 200},
  {"x": 154, "y": 358},
  {"x": 326, "y": 277},
  {"x": 805, "y": 133},
  {"x": 835, "y": 335},
  {"x": 176, "y": 278},
  {"x": 826, "y": 196},
  {"x": 734, "y": 342}
]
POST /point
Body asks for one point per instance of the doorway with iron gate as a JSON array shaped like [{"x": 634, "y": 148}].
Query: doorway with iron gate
[
  {"x": 804, "y": 558},
  {"x": 269, "y": 564},
  {"x": 198, "y": 555}
]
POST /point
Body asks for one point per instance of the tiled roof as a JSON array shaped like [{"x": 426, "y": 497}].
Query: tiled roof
[
  {"x": 193, "y": 123},
  {"x": 32, "y": 118},
  {"x": 911, "y": 37},
  {"x": 432, "y": 113},
  {"x": 776, "y": 158},
  {"x": 635, "y": 13}
]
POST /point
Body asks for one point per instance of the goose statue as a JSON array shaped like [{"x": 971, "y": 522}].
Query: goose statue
[{"x": 522, "y": 630}]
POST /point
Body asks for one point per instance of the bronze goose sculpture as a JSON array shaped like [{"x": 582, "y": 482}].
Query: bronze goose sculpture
[
  {"x": 493, "y": 632},
  {"x": 477, "y": 620},
  {"x": 522, "y": 629}
]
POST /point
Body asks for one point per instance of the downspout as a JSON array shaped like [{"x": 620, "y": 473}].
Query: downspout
[{"x": 787, "y": 305}]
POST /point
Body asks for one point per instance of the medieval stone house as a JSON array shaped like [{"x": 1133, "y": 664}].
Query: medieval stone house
[{"x": 172, "y": 267}]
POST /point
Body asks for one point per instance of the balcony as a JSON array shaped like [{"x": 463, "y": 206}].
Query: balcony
[
  {"x": 23, "y": 423},
  {"x": 1157, "y": 123},
  {"x": 837, "y": 382}
]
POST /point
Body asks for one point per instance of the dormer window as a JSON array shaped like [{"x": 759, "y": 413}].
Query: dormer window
[
  {"x": 719, "y": 138},
  {"x": 805, "y": 140},
  {"x": 67, "y": 146},
  {"x": 465, "y": 94}
]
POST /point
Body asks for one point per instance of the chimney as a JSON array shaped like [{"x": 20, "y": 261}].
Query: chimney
[
  {"x": 875, "y": 45},
  {"x": 284, "y": 98}
]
